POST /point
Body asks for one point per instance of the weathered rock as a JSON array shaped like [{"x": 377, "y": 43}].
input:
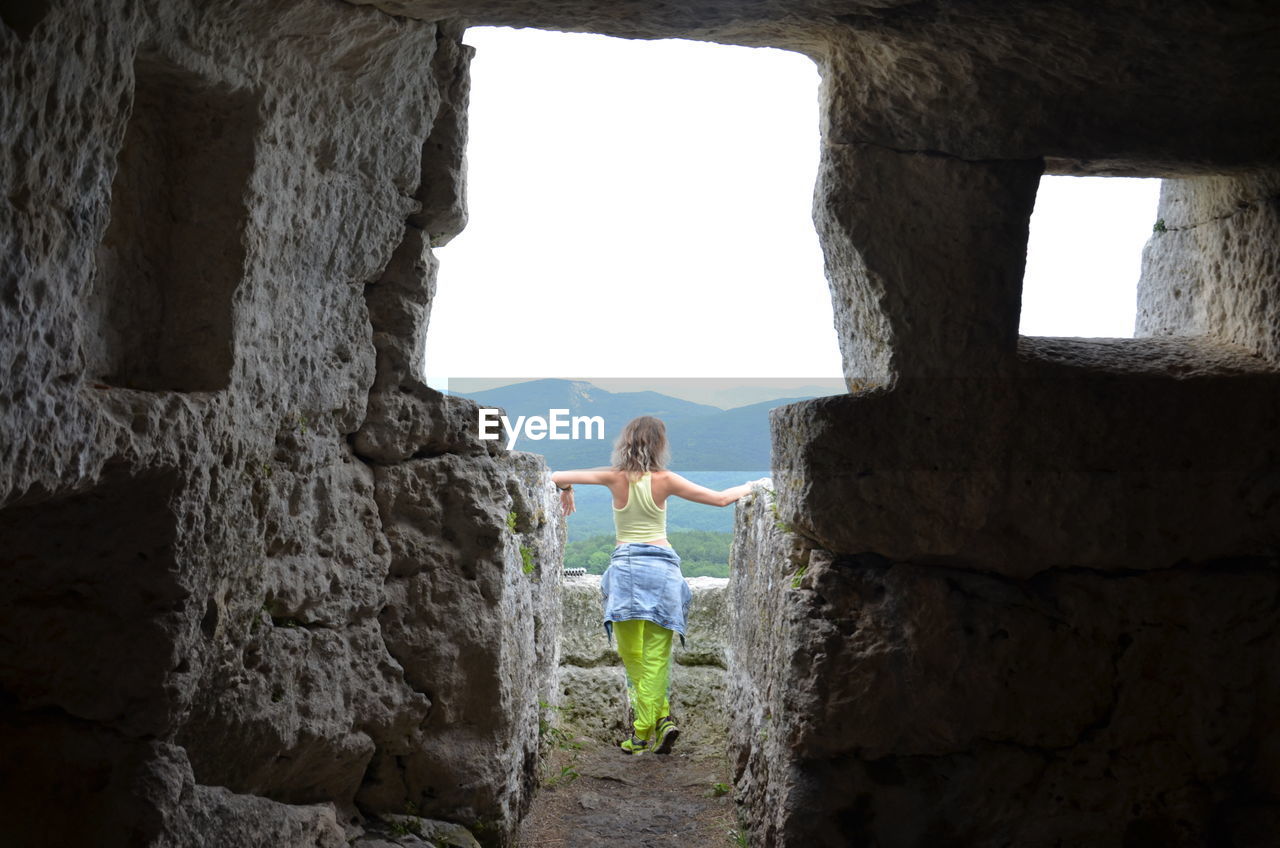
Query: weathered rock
[
  {"x": 1115, "y": 454},
  {"x": 403, "y": 830},
  {"x": 444, "y": 161},
  {"x": 583, "y": 641},
  {"x": 215, "y": 815},
  {"x": 471, "y": 616},
  {"x": 251, "y": 564},
  {"x": 894, "y": 697},
  {"x": 591, "y": 703},
  {"x": 1101, "y": 88},
  {"x": 419, "y": 422},
  {"x": 1212, "y": 269},
  {"x": 213, "y": 293},
  {"x": 707, "y": 639},
  {"x": 923, "y": 253}
]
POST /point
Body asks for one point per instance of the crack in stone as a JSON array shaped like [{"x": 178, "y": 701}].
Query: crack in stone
[{"x": 1242, "y": 207}]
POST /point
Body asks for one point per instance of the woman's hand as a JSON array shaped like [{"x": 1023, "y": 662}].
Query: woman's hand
[{"x": 566, "y": 501}]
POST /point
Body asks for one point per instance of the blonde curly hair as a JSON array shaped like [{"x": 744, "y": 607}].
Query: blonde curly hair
[{"x": 641, "y": 446}]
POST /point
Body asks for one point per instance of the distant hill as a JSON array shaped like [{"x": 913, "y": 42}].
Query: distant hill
[
  {"x": 750, "y": 393},
  {"x": 535, "y": 397},
  {"x": 728, "y": 440},
  {"x": 703, "y": 437},
  {"x": 714, "y": 447}
]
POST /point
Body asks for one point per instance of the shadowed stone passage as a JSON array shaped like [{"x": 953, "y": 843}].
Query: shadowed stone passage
[
  {"x": 161, "y": 306},
  {"x": 594, "y": 793},
  {"x": 90, "y": 607},
  {"x": 907, "y": 704},
  {"x": 600, "y": 795},
  {"x": 23, "y": 16}
]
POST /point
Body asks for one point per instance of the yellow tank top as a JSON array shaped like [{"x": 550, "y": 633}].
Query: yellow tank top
[{"x": 641, "y": 520}]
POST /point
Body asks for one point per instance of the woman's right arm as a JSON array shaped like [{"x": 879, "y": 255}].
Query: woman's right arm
[
  {"x": 691, "y": 491},
  {"x": 602, "y": 476},
  {"x": 565, "y": 480}
]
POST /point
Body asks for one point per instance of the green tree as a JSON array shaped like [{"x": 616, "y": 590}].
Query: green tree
[{"x": 703, "y": 553}]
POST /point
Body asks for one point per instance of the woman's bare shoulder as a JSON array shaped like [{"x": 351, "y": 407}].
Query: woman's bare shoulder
[{"x": 666, "y": 481}]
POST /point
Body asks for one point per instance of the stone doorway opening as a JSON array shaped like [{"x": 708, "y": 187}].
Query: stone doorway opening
[
  {"x": 635, "y": 189},
  {"x": 89, "y": 577},
  {"x": 608, "y": 177}
]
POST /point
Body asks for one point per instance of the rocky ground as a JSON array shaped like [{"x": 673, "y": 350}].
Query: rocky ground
[{"x": 598, "y": 795}]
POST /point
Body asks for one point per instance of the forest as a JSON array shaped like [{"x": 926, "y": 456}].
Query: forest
[{"x": 703, "y": 553}]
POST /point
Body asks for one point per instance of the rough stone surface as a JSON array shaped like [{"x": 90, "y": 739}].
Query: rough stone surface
[
  {"x": 1094, "y": 87},
  {"x": 592, "y": 689},
  {"x": 900, "y": 704},
  {"x": 1214, "y": 271},
  {"x": 225, "y": 620},
  {"x": 261, "y": 586},
  {"x": 1115, "y": 454},
  {"x": 909, "y": 274},
  {"x": 417, "y": 832},
  {"x": 470, "y": 615}
]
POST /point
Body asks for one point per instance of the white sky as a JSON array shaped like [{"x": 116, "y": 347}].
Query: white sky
[{"x": 643, "y": 209}]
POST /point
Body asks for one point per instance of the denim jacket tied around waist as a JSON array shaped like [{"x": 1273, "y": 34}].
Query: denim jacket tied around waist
[{"x": 644, "y": 581}]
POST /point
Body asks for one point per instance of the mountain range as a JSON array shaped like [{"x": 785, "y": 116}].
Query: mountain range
[{"x": 712, "y": 446}]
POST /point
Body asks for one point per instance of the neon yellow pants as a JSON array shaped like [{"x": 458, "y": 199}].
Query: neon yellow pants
[{"x": 645, "y": 648}]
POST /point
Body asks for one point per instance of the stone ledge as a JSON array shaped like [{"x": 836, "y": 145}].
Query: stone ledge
[{"x": 1131, "y": 466}]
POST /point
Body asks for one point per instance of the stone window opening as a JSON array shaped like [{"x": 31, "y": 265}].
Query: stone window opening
[
  {"x": 91, "y": 617},
  {"x": 1202, "y": 280},
  {"x": 1084, "y": 255},
  {"x": 160, "y": 309}
]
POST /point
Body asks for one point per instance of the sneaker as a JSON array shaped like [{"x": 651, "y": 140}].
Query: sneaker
[
  {"x": 667, "y": 735},
  {"x": 634, "y": 745}
]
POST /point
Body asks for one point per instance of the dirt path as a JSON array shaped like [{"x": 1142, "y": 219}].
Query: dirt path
[{"x": 677, "y": 800}]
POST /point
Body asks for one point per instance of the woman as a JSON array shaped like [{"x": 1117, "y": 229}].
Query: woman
[{"x": 646, "y": 598}]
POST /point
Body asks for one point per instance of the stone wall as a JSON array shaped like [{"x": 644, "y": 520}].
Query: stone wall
[
  {"x": 1211, "y": 270},
  {"x": 1092, "y": 86},
  {"x": 591, "y": 701},
  {"x": 260, "y": 584},
  {"x": 1022, "y": 589},
  {"x": 1018, "y": 591},
  {"x": 895, "y": 701}
]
